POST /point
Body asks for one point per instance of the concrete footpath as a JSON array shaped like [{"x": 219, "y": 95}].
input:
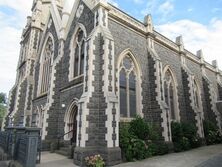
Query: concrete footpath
[
  {"x": 208, "y": 156},
  {"x": 55, "y": 160}
]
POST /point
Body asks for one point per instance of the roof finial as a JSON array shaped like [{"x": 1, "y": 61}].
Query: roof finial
[
  {"x": 214, "y": 63},
  {"x": 148, "y": 22},
  {"x": 179, "y": 42}
]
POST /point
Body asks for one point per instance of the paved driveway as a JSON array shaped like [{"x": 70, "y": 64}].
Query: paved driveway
[{"x": 208, "y": 156}]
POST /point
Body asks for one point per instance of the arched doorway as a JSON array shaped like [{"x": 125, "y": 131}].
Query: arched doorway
[{"x": 71, "y": 123}]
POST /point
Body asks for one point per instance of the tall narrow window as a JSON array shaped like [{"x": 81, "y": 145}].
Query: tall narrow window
[
  {"x": 196, "y": 95},
  {"x": 127, "y": 88},
  {"x": 46, "y": 66},
  {"x": 170, "y": 94},
  {"x": 79, "y": 44}
]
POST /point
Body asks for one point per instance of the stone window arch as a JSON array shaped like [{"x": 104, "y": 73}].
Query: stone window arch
[
  {"x": 129, "y": 86},
  {"x": 70, "y": 120},
  {"x": 38, "y": 118},
  {"x": 46, "y": 61},
  {"x": 77, "y": 54},
  {"x": 196, "y": 95},
  {"x": 170, "y": 93}
]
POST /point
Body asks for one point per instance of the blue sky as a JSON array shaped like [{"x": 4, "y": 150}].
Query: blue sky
[
  {"x": 198, "y": 21},
  {"x": 201, "y": 11}
]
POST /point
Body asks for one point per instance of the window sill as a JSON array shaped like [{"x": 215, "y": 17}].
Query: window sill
[
  {"x": 40, "y": 96},
  {"x": 125, "y": 119},
  {"x": 75, "y": 78}
]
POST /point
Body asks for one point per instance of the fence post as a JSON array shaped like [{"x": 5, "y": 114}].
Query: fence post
[
  {"x": 32, "y": 144},
  {"x": 19, "y": 132},
  {"x": 10, "y": 146}
]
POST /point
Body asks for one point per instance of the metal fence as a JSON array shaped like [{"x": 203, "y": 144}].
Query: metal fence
[{"x": 22, "y": 145}]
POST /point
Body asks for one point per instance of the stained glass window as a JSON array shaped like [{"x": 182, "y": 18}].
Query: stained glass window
[
  {"x": 79, "y": 54},
  {"x": 170, "y": 92},
  {"x": 127, "y": 88},
  {"x": 196, "y": 95},
  {"x": 46, "y": 66}
]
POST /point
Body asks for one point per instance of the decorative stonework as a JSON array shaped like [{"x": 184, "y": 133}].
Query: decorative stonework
[
  {"x": 80, "y": 123},
  {"x": 114, "y": 12},
  {"x": 86, "y": 66},
  {"x": 110, "y": 77},
  {"x": 213, "y": 99},
  {"x": 79, "y": 11},
  {"x": 114, "y": 125}
]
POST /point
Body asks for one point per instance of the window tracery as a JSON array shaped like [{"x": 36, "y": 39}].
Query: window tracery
[
  {"x": 46, "y": 61},
  {"x": 170, "y": 95},
  {"x": 79, "y": 48},
  {"x": 127, "y": 88}
]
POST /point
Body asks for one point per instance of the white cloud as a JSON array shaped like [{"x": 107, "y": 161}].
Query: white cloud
[
  {"x": 190, "y": 9},
  {"x": 163, "y": 10},
  {"x": 11, "y": 24},
  {"x": 113, "y": 2},
  {"x": 166, "y": 8},
  {"x": 138, "y": 1},
  {"x": 214, "y": 10},
  {"x": 197, "y": 36},
  {"x": 150, "y": 7}
]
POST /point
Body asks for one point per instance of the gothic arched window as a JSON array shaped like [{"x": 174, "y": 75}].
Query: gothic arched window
[
  {"x": 196, "y": 95},
  {"x": 128, "y": 88},
  {"x": 170, "y": 95},
  {"x": 46, "y": 61},
  {"x": 78, "y": 54}
]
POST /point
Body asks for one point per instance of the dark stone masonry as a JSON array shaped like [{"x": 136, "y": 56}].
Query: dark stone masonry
[{"x": 93, "y": 62}]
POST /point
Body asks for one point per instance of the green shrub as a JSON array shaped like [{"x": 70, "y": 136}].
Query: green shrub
[
  {"x": 176, "y": 131},
  {"x": 154, "y": 133},
  {"x": 212, "y": 134},
  {"x": 144, "y": 130},
  {"x": 152, "y": 149},
  {"x": 132, "y": 147},
  {"x": 157, "y": 148},
  {"x": 140, "y": 128},
  {"x": 138, "y": 148},
  {"x": 184, "y": 136},
  {"x": 182, "y": 145},
  {"x": 136, "y": 140},
  {"x": 190, "y": 132},
  {"x": 162, "y": 148}
]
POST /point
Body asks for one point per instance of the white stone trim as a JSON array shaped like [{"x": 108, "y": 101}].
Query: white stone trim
[
  {"x": 163, "y": 107},
  {"x": 111, "y": 98},
  {"x": 198, "y": 110},
  {"x": 86, "y": 95},
  {"x": 213, "y": 100},
  {"x": 56, "y": 17},
  {"x": 18, "y": 92},
  {"x": 67, "y": 116}
]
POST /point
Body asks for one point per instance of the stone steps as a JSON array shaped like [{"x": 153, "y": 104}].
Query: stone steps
[
  {"x": 66, "y": 151},
  {"x": 62, "y": 152}
]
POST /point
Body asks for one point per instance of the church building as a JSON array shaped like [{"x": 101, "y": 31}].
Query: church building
[{"x": 85, "y": 66}]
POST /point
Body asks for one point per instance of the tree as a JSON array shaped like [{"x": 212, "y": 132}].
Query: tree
[
  {"x": 2, "y": 98},
  {"x": 2, "y": 107},
  {"x": 2, "y": 111}
]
